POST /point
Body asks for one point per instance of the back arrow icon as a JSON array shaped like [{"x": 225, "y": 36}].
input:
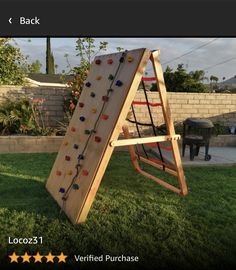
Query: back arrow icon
[{"x": 10, "y": 20}]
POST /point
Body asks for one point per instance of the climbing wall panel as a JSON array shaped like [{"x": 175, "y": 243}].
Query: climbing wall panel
[{"x": 101, "y": 110}]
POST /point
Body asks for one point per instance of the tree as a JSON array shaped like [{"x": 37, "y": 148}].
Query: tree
[
  {"x": 35, "y": 67},
  {"x": 87, "y": 49},
  {"x": 214, "y": 79},
  {"x": 50, "y": 68},
  {"x": 181, "y": 81},
  {"x": 13, "y": 64}
]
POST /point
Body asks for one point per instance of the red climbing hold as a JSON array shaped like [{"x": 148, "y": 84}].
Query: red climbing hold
[
  {"x": 73, "y": 129},
  {"x": 109, "y": 61},
  {"x": 98, "y": 62},
  {"x": 97, "y": 139},
  {"x": 104, "y": 116},
  {"x": 58, "y": 173},
  {"x": 67, "y": 158},
  {"x": 105, "y": 98},
  {"x": 81, "y": 105},
  {"x": 85, "y": 172}
]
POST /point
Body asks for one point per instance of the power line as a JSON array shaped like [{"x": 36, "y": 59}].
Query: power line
[
  {"x": 191, "y": 51},
  {"x": 220, "y": 63}
]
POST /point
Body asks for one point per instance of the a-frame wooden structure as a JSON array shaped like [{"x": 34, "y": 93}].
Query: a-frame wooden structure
[{"x": 93, "y": 132}]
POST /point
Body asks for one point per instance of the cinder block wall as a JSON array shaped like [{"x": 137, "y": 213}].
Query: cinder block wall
[
  {"x": 217, "y": 107},
  {"x": 52, "y": 107}
]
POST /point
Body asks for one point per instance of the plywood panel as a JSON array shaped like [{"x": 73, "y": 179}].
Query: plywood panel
[{"x": 97, "y": 155}]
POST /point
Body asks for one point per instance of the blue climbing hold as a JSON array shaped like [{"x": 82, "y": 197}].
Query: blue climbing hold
[
  {"x": 119, "y": 83},
  {"x": 82, "y": 118},
  {"x": 88, "y": 84},
  {"x": 62, "y": 190}
]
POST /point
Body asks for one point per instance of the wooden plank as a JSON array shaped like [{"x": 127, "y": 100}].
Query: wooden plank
[
  {"x": 134, "y": 159},
  {"x": 155, "y": 58},
  {"x": 130, "y": 94},
  {"x": 135, "y": 141},
  {"x": 97, "y": 155}
]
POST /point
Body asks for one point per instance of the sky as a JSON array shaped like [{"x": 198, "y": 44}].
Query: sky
[{"x": 216, "y": 56}]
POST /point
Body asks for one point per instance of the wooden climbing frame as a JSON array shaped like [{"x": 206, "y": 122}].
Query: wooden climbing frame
[{"x": 93, "y": 132}]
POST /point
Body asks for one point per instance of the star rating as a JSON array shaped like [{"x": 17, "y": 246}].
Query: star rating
[
  {"x": 50, "y": 257},
  {"x": 38, "y": 258},
  {"x": 26, "y": 257},
  {"x": 14, "y": 257},
  {"x": 62, "y": 257}
]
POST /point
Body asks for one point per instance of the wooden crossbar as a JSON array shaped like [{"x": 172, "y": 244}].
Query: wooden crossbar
[{"x": 135, "y": 141}]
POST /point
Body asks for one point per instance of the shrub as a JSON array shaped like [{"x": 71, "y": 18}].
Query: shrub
[{"x": 22, "y": 117}]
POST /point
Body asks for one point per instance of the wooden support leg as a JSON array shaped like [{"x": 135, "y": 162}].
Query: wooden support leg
[
  {"x": 179, "y": 168},
  {"x": 179, "y": 174}
]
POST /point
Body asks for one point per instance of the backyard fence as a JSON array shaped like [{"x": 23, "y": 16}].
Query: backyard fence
[{"x": 216, "y": 107}]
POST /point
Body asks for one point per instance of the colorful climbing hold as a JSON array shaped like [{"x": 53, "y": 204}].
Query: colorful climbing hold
[
  {"x": 82, "y": 118},
  {"x": 76, "y": 146},
  {"x": 97, "y": 139},
  {"x": 87, "y": 132},
  {"x": 62, "y": 190},
  {"x": 88, "y": 84},
  {"x": 93, "y": 110},
  {"x": 122, "y": 59},
  {"x": 58, "y": 173},
  {"x": 104, "y": 116},
  {"x": 67, "y": 158},
  {"x": 109, "y": 61},
  {"x": 65, "y": 143},
  {"x": 119, "y": 83},
  {"x": 98, "y": 78},
  {"x": 130, "y": 58},
  {"x": 98, "y": 62},
  {"x": 75, "y": 186},
  {"x": 110, "y": 77},
  {"x": 70, "y": 172},
  {"x": 73, "y": 129},
  {"x": 85, "y": 172},
  {"x": 105, "y": 98},
  {"x": 92, "y": 94},
  {"x": 81, "y": 157},
  {"x": 110, "y": 90},
  {"x": 81, "y": 104}
]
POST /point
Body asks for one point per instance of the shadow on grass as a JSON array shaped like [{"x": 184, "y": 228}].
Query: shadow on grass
[{"x": 28, "y": 195}]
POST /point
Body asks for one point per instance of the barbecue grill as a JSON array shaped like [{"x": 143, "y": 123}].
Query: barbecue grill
[{"x": 196, "y": 133}]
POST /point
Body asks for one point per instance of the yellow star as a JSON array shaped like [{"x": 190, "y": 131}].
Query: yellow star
[
  {"x": 26, "y": 257},
  {"x": 50, "y": 257},
  {"x": 62, "y": 257},
  {"x": 14, "y": 257},
  {"x": 38, "y": 258}
]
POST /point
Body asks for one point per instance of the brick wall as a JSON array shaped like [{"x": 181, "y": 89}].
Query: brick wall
[{"x": 217, "y": 107}]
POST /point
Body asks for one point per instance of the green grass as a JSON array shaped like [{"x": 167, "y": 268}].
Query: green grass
[{"x": 131, "y": 215}]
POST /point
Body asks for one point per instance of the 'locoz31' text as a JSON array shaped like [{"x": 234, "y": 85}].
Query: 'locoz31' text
[{"x": 26, "y": 241}]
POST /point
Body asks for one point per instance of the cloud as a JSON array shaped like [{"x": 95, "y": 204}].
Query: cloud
[{"x": 216, "y": 52}]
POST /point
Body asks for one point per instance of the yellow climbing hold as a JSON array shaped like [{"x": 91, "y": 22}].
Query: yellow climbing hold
[
  {"x": 70, "y": 172},
  {"x": 130, "y": 58},
  {"x": 93, "y": 110},
  {"x": 65, "y": 143},
  {"x": 98, "y": 78}
]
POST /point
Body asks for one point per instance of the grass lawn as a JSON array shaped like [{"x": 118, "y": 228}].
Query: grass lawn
[{"x": 131, "y": 215}]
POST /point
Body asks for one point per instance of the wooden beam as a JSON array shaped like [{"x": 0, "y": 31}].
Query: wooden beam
[{"x": 135, "y": 141}]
